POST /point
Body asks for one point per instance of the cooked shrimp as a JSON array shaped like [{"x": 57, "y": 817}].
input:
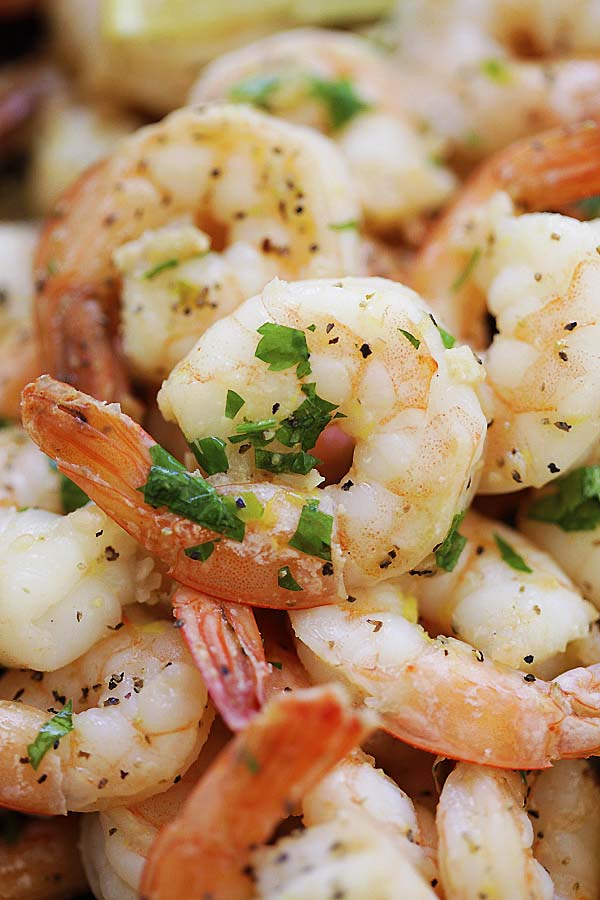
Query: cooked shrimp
[
  {"x": 407, "y": 401},
  {"x": 486, "y": 838},
  {"x": 63, "y": 582},
  {"x": 264, "y": 189},
  {"x": 19, "y": 357},
  {"x": 444, "y": 695},
  {"x": 563, "y": 804},
  {"x": 140, "y": 717},
  {"x": 505, "y": 597},
  {"x": 41, "y": 861},
  {"x": 538, "y": 273},
  {"x": 339, "y": 84},
  {"x": 26, "y": 477},
  {"x": 256, "y": 781}
]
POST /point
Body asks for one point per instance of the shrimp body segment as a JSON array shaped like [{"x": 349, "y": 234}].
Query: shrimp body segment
[{"x": 243, "y": 178}]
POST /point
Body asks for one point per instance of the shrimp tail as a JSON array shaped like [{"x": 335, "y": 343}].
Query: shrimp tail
[
  {"x": 257, "y": 780},
  {"x": 225, "y": 644}
]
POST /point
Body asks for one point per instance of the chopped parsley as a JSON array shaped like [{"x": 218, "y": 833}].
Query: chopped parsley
[
  {"x": 259, "y": 433},
  {"x": 170, "y": 485},
  {"x": 276, "y": 665},
  {"x": 71, "y": 495},
  {"x": 466, "y": 273},
  {"x": 210, "y": 454},
  {"x": 233, "y": 404},
  {"x": 575, "y": 504},
  {"x": 590, "y": 207},
  {"x": 201, "y": 552},
  {"x": 448, "y": 340},
  {"x": 448, "y": 553},
  {"x": 283, "y": 347},
  {"x": 5, "y": 423},
  {"x": 256, "y": 89},
  {"x": 340, "y": 98},
  {"x": 313, "y": 534},
  {"x": 306, "y": 422},
  {"x": 295, "y": 463},
  {"x": 410, "y": 337},
  {"x": 350, "y": 225},
  {"x": 251, "y": 761},
  {"x": 161, "y": 267},
  {"x": 286, "y": 580},
  {"x": 510, "y": 555},
  {"x": 50, "y": 734},
  {"x": 496, "y": 70},
  {"x": 249, "y": 508}
]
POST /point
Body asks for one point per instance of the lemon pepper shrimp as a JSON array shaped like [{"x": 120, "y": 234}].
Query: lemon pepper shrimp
[
  {"x": 379, "y": 359},
  {"x": 263, "y": 191},
  {"x": 341, "y": 85},
  {"x": 140, "y": 716}
]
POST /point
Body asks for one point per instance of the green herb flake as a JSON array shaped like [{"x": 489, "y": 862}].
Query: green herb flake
[
  {"x": 276, "y": 665},
  {"x": 448, "y": 340},
  {"x": 282, "y": 347},
  {"x": 201, "y": 552},
  {"x": 349, "y": 225},
  {"x": 286, "y": 580},
  {"x": 466, "y": 273},
  {"x": 210, "y": 454},
  {"x": 510, "y": 555},
  {"x": 248, "y": 506},
  {"x": 170, "y": 485},
  {"x": 304, "y": 425},
  {"x": 448, "y": 553},
  {"x": 233, "y": 404},
  {"x": 590, "y": 207},
  {"x": 71, "y": 495},
  {"x": 410, "y": 337},
  {"x": 49, "y": 735},
  {"x": 575, "y": 503},
  {"x": 250, "y": 761},
  {"x": 313, "y": 534},
  {"x": 11, "y": 825},
  {"x": 160, "y": 267},
  {"x": 293, "y": 463},
  {"x": 340, "y": 98},
  {"x": 256, "y": 89},
  {"x": 496, "y": 70},
  {"x": 5, "y": 423}
]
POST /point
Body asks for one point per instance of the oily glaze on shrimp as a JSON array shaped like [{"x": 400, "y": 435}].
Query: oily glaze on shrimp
[
  {"x": 140, "y": 718},
  {"x": 408, "y": 403},
  {"x": 264, "y": 189}
]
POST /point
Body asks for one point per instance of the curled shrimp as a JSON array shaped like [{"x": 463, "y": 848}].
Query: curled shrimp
[
  {"x": 443, "y": 695},
  {"x": 140, "y": 717},
  {"x": 409, "y": 405},
  {"x": 538, "y": 275},
  {"x": 42, "y": 862},
  {"x": 255, "y": 782},
  {"x": 486, "y": 838},
  {"x": 341, "y": 85},
  {"x": 263, "y": 191}
]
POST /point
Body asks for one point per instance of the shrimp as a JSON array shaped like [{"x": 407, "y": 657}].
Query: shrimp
[
  {"x": 340, "y": 85},
  {"x": 562, "y": 803},
  {"x": 263, "y": 191},
  {"x": 20, "y": 354},
  {"x": 407, "y": 401},
  {"x": 539, "y": 274},
  {"x": 259, "y": 778},
  {"x": 26, "y": 478},
  {"x": 40, "y": 860},
  {"x": 63, "y": 581},
  {"x": 140, "y": 717},
  {"x": 443, "y": 695},
  {"x": 486, "y": 839},
  {"x": 505, "y": 597}
]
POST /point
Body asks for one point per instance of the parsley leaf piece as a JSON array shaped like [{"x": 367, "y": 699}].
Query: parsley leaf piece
[
  {"x": 71, "y": 495},
  {"x": 286, "y": 580},
  {"x": 306, "y": 423},
  {"x": 210, "y": 454},
  {"x": 53, "y": 730},
  {"x": 466, "y": 273},
  {"x": 303, "y": 369},
  {"x": 248, "y": 506},
  {"x": 340, "y": 98},
  {"x": 254, "y": 432},
  {"x": 350, "y": 225},
  {"x": 496, "y": 70},
  {"x": 256, "y": 89},
  {"x": 448, "y": 340},
  {"x": 201, "y": 552},
  {"x": 313, "y": 533},
  {"x": 295, "y": 463},
  {"x": 161, "y": 267},
  {"x": 233, "y": 404},
  {"x": 5, "y": 423},
  {"x": 510, "y": 555},
  {"x": 590, "y": 207},
  {"x": 281, "y": 347},
  {"x": 410, "y": 337},
  {"x": 276, "y": 665},
  {"x": 448, "y": 553},
  {"x": 575, "y": 504},
  {"x": 170, "y": 485},
  {"x": 11, "y": 825}
]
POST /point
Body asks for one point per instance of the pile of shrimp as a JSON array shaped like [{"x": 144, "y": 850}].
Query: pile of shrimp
[{"x": 300, "y": 465}]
